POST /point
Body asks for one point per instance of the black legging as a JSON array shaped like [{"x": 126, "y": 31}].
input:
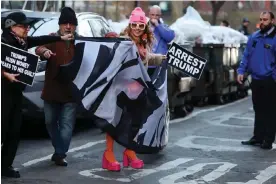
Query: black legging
[{"x": 11, "y": 106}]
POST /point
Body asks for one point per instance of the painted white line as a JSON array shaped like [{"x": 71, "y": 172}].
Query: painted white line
[
  {"x": 217, "y": 173},
  {"x": 218, "y": 120},
  {"x": 163, "y": 167},
  {"x": 143, "y": 173},
  {"x": 244, "y": 118},
  {"x": 221, "y": 144},
  {"x": 87, "y": 145},
  {"x": 220, "y": 171},
  {"x": 264, "y": 176},
  {"x": 195, "y": 113}
]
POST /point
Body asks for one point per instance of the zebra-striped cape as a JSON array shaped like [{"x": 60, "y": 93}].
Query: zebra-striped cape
[{"x": 112, "y": 84}]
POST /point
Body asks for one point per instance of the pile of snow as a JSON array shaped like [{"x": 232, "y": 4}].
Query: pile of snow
[{"x": 192, "y": 28}]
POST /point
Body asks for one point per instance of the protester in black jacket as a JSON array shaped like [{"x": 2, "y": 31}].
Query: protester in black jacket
[{"x": 15, "y": 34}]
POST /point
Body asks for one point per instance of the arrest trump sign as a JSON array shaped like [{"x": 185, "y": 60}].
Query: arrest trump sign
[{"x": 186, "y": 61}]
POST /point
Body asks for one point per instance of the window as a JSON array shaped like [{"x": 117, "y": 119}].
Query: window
[
  {"x": 106, "y": 26},
  {"x": 84, "y": 29},
  {"x": 99, "y": 27},
  {"x": 44, "y": 27}
]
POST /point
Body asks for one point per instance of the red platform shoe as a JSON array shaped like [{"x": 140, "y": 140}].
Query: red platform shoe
[
  {"x": 134, "y": 163},
  {"x": 111, "y": 166}
]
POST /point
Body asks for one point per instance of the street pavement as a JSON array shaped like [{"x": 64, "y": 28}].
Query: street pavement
[{"x": 204, "y": 148}]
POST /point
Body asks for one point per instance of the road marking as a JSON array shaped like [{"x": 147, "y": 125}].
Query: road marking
[
  {"x": 143, "y": 173},
  {"x": 244, "y": 118},
  {"x": 195, "y": 113},
  {"x": 87, "y": 145},
  {"x": 218, "y": 120},
  {"x": 187, "y": 142},
  {"x": 90, "y": 144},
  {"x": 264, "y": 176},
  {"x": 217, "y": 173}
]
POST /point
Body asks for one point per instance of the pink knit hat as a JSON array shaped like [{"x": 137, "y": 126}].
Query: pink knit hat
[{"x": 137, "y": 15}]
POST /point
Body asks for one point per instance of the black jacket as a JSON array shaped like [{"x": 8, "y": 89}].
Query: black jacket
[
  {"x": 244, "y": 30},
  {"x": 10, "y": 39}
]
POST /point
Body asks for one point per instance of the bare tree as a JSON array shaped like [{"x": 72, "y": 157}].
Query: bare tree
[
  {"x": 104, "y": 8},
  {"x": 117, "y": 12},
  {"x": 177, "y": 9},
  {"x": 216, "y": 5},
  {"x": 62, "y": 4}
]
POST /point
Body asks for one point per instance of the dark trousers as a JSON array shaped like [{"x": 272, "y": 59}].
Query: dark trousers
[
  {"x": 11, "y": 103},
  {"x": 264, "y": 104},
  {"x": 60, "y": 120}
]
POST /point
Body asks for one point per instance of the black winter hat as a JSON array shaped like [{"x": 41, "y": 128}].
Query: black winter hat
[
  {"x": 16, "y": 18},
  {"x": 68, "y": 15}
]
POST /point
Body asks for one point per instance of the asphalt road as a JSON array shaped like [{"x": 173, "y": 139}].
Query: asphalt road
[{"x": 203, "y": 148}]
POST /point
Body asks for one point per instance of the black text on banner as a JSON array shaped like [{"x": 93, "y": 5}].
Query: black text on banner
[
  {"x": 20, "y": 62},
  {"x": 185, "y": 61}
]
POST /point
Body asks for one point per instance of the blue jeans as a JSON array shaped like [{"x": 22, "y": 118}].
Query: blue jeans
[{"x": 60, "y": 120}]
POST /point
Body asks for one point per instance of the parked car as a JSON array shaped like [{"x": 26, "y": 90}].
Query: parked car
[{"x": 44, "y": 23}]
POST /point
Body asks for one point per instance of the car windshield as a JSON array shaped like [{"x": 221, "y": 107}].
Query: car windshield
[{"x": 44, "y": 27}]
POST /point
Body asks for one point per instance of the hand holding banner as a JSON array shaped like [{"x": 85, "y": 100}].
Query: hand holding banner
[{"x": 185, "y": 61}]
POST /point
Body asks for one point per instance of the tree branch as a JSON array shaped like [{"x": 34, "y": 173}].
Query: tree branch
[{"x": 216, "y": 5}]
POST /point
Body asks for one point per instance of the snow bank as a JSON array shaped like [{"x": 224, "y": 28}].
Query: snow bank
[{"x": 192, "y": 28}]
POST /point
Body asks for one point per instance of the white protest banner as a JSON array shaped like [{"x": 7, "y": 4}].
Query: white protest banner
[
  {"x": 185, "y": 61},
  {"x": 20, "y": 62}
]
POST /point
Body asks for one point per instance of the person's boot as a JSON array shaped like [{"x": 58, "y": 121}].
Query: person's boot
[
  {"x": 59, "y": 161},
  {"x": 266, "y": 145},
  {"x": 253, "y": 142},
  {"x": 10, "y": 172},
  {"x": 108, "y": 161}
]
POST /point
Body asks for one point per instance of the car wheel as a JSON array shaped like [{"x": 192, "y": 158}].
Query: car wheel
[
  {"x": 220, "y": 99},
  {"x": 180, "y": 111},
  {"x": 189, "y": 108}
]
